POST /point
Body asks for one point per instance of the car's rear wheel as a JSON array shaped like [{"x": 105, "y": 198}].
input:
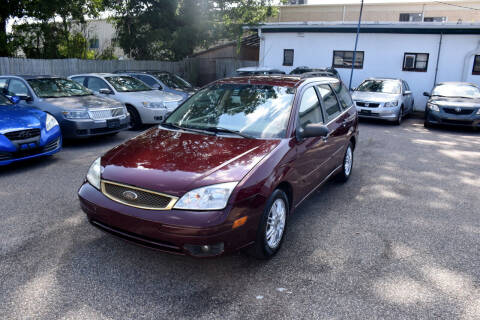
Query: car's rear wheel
[
  {"x": 273, "y": 223},
  {"x": 135, "y": 120},
  {"x": 347, "y": 166}
]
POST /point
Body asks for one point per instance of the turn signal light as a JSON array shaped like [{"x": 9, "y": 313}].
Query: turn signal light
[{"x": 239, "y": 222}]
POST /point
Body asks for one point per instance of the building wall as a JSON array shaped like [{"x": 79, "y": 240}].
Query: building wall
[
  {"x": 378, "y": 12},
  {"x": 384, "y": 55}
]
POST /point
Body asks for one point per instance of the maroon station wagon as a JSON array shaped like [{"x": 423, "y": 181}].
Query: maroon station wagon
[{"x": 225, "y": 169}]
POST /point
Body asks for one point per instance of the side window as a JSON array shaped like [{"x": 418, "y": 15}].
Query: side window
[
  {"x": 309, "y": 111},
  {"x": 96, "y": 84},
  {"x": 17, "y": 88},
  {"x": 3, "y": 85},
  {"x": 80, "y": 80},
  {"x": 476, "y": 65},
  {"x": 147, "y": 79},
  {"x": 330, "y": 103},
  {"x": 343, "y": 95}
]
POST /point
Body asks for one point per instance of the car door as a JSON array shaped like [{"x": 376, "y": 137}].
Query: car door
[
  {"x": 311, "y": 157},
  {"x": 337, "y": 120},
  {"x": 409, "y": 97}
]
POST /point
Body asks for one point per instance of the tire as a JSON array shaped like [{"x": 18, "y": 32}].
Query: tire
[
  {"x": 266, "y": 247},
  {"x": 427, "y": 124},
  {"x": 347, "y": 165},
  {"x": 135, "y": 120},
  {"x": 400, "y": 117}
]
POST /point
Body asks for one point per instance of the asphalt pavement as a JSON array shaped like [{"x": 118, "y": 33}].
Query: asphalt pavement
[{"x": 400, "y": 240}]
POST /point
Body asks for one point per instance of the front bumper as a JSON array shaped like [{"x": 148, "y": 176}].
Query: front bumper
[
  {"x": 390, "y": 114},
  {"x": 87, "y": 128},
  {"x": 442, "y": 117},
  {"x": 151, "y": 115},
  {"x": 48, "y": 144},
  {"x": 174, "y": 231}
]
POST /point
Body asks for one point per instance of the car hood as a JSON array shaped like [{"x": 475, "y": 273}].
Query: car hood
[
  {"x": 374, "y": 96},
  {"x": 13, "y": 118},
  {"x": 83, "y": 102},
  {"x": 455, "y": 102},
  {"x": 151, "y": 96},
  {"x": 174, "y": 162}
]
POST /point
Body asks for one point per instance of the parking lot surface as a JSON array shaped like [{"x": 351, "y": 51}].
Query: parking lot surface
[{"x": 401, "y": 239}]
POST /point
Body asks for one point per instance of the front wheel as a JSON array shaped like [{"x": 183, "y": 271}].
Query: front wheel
[
  {"x": 400, "y": 117},
  {"x": 135, "y": 120},
  {"x": 272, "y": 226},
  {"x": 347, "y": 166}
]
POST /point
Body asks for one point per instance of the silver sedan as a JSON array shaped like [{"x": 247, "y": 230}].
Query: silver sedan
[{"x": 382, "y": 98}]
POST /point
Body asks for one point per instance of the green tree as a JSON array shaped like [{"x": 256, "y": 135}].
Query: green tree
[{"x": 172, "y": 29}]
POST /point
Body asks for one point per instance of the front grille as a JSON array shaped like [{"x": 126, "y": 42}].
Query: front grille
[
  {"x": 368, "y": 104},
  {"x": 5, "y": 156},
  {"x": 462, "y": 111},
  {"x": 103, "y": 114},
  {"x": 22, "y": 134},
  {"x": 137, "y": 197}
]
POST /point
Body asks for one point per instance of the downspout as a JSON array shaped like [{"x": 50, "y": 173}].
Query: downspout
[
  {"x": 438, "y": 59},
  {"x": 466, "y": 63}
]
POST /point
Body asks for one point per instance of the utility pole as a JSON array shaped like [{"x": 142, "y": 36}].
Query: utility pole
[{"x": 356, "y": 43}]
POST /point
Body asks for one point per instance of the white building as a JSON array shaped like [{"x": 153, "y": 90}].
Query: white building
[{"x": 422, "y": 54}]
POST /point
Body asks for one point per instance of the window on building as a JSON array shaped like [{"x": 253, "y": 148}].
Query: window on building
[
  {"x": 415, "y": 62},
  {"x": 411, "y": 17},
  {"x": 476, "y": 65},
  {"x": 435, "y": 19},
  {"x": 288, "y": 57},
  {"x": 344, "y": 59},
  {"x": 94, "y": 43}
]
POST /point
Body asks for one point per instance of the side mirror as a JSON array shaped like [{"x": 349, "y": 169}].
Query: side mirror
[
  {"x": 314, "y": 130},
  {"x": 105, "y": 91},
  {"x": 15, "y": 99},
  {"x": 426, "y": 94},
  {"x": 408, "y": 92}
]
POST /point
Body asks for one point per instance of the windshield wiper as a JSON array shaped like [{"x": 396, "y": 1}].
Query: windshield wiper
[
  {"x": 236, "y": 132},
  {"x": 176, "y": 126}
]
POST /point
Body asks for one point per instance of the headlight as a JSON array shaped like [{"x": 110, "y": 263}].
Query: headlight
[
  {"x": 76, "y": 114},
  {"x": 154, "y": 105},
  {"x": 50, "y": 122},
  {"x": 433, "y": 107},
  {"x": 214, "y": 197},
  {"x": 391, "y": 104},
  {"x": 93, "y": 175}
]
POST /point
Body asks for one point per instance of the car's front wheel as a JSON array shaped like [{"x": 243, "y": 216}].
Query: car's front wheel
[
  {"x": 271, "y": 230},
  {"x": 135, "y": 120},
  {"x": 400, "y": 117}
]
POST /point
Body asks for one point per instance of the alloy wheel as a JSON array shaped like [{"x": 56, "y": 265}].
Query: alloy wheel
[{"x": 276, "y": 223}]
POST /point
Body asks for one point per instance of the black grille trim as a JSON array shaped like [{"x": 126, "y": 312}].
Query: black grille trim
[
  {"x": 138, "y": 239},
  {"x": 463, "y": 111},
  {"x": 146, "y": 199},
  {"x": 22, "y": 134},
  {"x": 370, "y": 104}
]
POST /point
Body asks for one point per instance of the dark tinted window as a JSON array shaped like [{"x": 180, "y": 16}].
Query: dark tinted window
[
  {"x": 343, "y": 95},
  {"x": 330, "y": 102},
  {"x": 476, "y": 65},
  {"x": 309, "y": 111},
  {"x": 147, "y": 79},
  {"x": 96, "y": 84},
  {"x": 288, "y": 57}
]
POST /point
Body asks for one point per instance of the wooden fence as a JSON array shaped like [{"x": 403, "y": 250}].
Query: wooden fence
[{"x": 197, "y": 70}]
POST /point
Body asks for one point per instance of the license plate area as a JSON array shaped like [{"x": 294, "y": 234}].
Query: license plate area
[{"x": 113, "y": 123}]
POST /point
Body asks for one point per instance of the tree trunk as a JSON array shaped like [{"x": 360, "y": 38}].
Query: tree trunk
[{"x": 4, "y": 52}]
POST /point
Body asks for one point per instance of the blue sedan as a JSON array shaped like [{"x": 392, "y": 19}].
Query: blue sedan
[{"x": 26, "y": 132}]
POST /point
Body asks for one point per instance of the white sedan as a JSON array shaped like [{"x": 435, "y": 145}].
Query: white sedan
[{"x": 145, "y": 104}]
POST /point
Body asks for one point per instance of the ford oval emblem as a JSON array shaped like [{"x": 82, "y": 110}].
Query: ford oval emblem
[{"x": 130, "y": 195}]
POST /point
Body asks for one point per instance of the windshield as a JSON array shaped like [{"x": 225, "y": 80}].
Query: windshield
[
  {"x": 384, "y": 86},
  {"x": 456, "y": 90},
  {"x": 172, "y": 80},
  {"x": 127, "y": 84},
  {"x": 259, "y": 111},
  {"x": 57, "y": 88},
  {"x": 4, "y": 100}
]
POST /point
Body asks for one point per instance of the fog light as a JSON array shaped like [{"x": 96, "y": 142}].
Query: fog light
[{"x": 204, "y": 250}]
